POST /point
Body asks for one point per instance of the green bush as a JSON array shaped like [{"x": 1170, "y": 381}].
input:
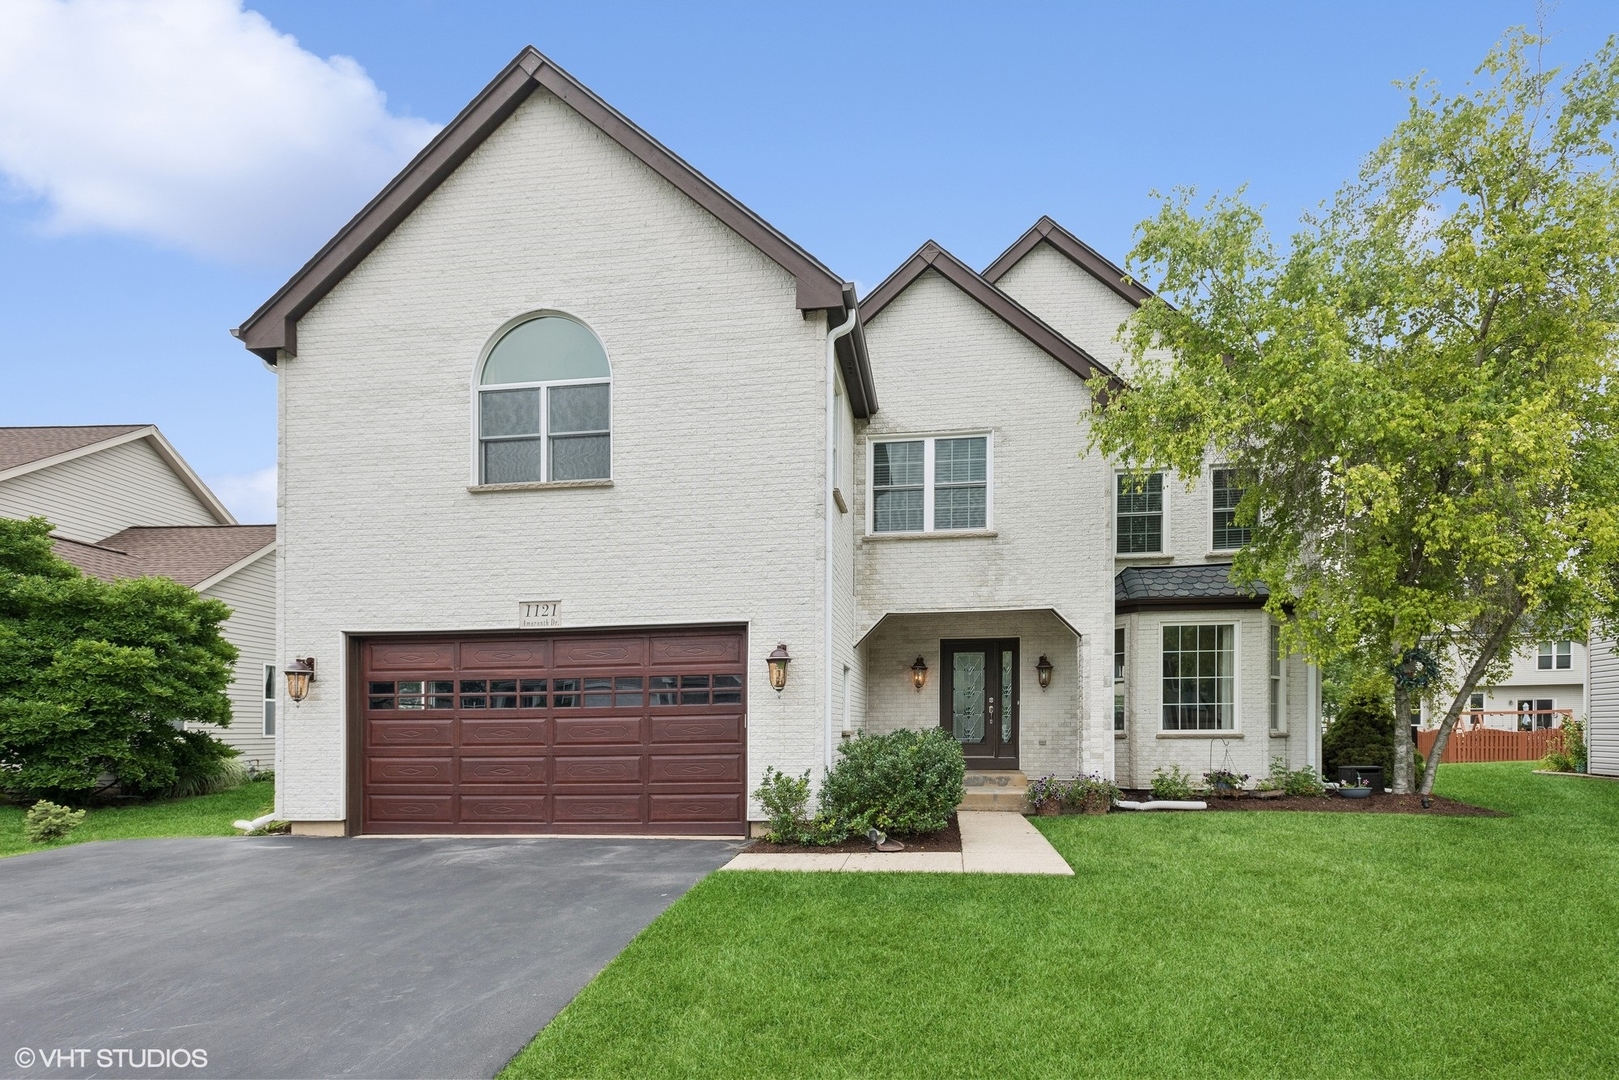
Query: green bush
[
  {"x": 1303, "y": 781},
  {"x": 905, "y": 782},
  {"x": 1362, "y": 734},
  {"x": 47, "y": 821},
  {"x": 100, "y": 677},
  {"x": 203, "y": 766},
  {"x": 785, "y": 799},
  {"x": 1172, "y": 784}
]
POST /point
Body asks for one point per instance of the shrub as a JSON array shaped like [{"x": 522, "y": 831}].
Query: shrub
[
  {"x": 1362, "y": 734},
  {"x": 904, "y": 782},
  {"x": 99, "y": 677},
  {"x": 47, "y": 821},
  {"x": 785, "y": 799},
  {"x": 1303, "y": 781},
  {"x": 1574, "y": 744},
  {"x": 202, "y": 766},
  {"x": 1173, "y": 784}
]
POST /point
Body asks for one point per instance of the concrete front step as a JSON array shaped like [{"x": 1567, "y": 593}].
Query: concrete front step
[{"x": 998, "y": 790}]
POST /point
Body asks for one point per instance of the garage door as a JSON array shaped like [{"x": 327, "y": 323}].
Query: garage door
[{"x": 581, "y": 733}]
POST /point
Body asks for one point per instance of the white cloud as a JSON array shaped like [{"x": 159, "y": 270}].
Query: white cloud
[
  {"x": 250, "y": 496},
  {"x": 190, "y": 122}
]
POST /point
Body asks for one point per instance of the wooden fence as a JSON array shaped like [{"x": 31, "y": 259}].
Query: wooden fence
[{"x": 1491, "y": 744}]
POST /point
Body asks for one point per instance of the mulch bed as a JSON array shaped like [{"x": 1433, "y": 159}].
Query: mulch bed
[
  {"x": 1379, "y": 803},
  {"x": 946, "y": 839}
]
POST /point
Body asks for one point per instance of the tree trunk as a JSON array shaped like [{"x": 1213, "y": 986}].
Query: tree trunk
[
  {"x": 1405, "y": 763},
  {"x": 1481, "y": 662}
]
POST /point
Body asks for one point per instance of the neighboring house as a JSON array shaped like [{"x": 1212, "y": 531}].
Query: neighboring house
[
  {"x": 124, "y": 504},
  {"x": 1602, "y": 709},
  {"x": 572, "y": 443},
  {"x": 1545, "y": 686}
]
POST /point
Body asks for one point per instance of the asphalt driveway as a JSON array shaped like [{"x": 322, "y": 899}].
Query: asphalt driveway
[{"x": 300, "y": 957}]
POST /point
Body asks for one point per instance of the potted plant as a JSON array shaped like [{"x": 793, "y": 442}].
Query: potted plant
[
  {"x": 1047, "y": 795},
  {"x": 1358, "y": 788},
  {"x": 1225, "y": 784},
  {"x": 1093, "y": 795}
]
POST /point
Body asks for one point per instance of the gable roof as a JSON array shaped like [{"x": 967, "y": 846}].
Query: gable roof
[
  {"x": 930, "y": 256},
  {"x": 26, "y": 445},
  {"x": 29, "y": 449},
  {"x": 194, "y": 555},
  {"x": 274, "y": 326},
  {"x": 1077, "y": 252},
  {"x": 1199, "y": 586}
]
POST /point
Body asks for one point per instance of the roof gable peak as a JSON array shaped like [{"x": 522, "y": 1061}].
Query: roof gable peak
[
  {"x": 932, "y": 256},
  {"x": 1076, "y": 251}
]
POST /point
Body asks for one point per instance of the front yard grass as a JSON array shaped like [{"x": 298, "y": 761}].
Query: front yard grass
[
  {"x": 1198, "y": 945},
  {"x": 205, "y": 815}
]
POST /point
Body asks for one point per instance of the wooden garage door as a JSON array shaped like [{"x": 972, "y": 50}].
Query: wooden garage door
[{"x": 581, "y": 733}]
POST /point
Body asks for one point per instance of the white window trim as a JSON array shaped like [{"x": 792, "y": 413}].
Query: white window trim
[
  {"x": 1214, "y": 548},
  {"x": 1164, "y": 546},
  {"x": 927, "y": 440},
  {"x": 270, "y": 706},
  {"x": 1236, "y": 728},
  {"x": 1279, "y": 680},
  {"x": 476, "y": 483},
  {"x": 1121, "y": 674}
]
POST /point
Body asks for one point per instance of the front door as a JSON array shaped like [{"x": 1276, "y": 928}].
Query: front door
[{"x": 978, "y": 702}]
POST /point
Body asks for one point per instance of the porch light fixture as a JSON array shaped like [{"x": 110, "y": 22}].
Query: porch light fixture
[
  {"x": 300, "y": 673},
  {"x": 919, "y": 674},
  {"x": 1042, "y": 671},
  {"x": 778, "y": 661}
]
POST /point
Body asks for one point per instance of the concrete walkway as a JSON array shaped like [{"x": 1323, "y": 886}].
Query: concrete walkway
[{"x": 991, "y": 843}]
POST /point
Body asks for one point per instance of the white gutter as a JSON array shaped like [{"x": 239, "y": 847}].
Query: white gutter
[{"x": 831, "y": 509}]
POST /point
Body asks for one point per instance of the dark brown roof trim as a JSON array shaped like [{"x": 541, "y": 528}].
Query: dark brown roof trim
[
  {"x": 274, "y": 326},
  {"x": 933, "y": 257},
  {"x": 1078, "y": 252}
]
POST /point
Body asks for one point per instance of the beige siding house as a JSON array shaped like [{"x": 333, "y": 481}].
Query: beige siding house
[
  {"x": 589, "y": 513},
  {"x": 125, "y": 504}
]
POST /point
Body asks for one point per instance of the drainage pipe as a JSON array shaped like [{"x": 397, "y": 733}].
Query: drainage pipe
[
  {"x": 256, "y": 823},
  {"x": 831, "y": 509}
]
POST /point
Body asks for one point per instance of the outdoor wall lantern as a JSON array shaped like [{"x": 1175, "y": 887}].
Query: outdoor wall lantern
[
  {"x": 778, "y": 661},
  {"x": 300, "y": 673},
  {"x": 919, "y": 674},
  {"x": 1042, "y": 671}
]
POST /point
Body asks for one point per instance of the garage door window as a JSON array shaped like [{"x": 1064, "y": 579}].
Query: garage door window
[{"x": 412, "y": 694}]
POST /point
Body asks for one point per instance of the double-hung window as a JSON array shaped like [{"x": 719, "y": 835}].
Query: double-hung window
[
  {"x": 269, "y": 701},
  {"x": 1555, "y": 655},
  {"x": 1200, "y": 677},
  {"x": 1228, "y": 535},
  {"x": 1140, "y": 513},
  {"x": 545, "y": 405},
  {"x": 936, "y": 484}
]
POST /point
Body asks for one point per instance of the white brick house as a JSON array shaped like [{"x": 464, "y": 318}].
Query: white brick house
[{"x": 571, "y": 441}]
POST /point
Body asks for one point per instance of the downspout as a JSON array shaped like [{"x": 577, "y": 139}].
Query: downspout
[{"x": 831, "y": 509}]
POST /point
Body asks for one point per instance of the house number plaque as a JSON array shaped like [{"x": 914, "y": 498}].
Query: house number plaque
[{"x": 537, "y": 614}]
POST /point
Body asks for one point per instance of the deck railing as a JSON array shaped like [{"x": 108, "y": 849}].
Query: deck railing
[{"x": 1471, "y": 741}]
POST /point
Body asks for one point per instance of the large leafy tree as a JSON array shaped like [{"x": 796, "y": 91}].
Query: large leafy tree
[
  {"x": 95, "y": 678},
  {"x": 1417, "y": 388}
]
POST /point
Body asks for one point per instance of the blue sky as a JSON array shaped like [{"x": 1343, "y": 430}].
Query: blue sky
[{"x": 861, "y": 133}]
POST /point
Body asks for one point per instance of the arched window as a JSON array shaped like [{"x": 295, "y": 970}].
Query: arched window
[{"x": 544, "y": 405}]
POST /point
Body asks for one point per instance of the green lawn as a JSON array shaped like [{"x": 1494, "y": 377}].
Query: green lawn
[
  {"x": 1198, "y": 945},
  {"x": 206, "y": 815}
]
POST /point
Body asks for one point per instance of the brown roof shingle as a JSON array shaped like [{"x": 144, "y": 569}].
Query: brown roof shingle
[
  {"x": 21, "y": 445},
  {"x": 187, "y": 553}
]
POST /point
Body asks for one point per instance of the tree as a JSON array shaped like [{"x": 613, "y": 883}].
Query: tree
[
  {"x": 1415, "y": 391},
  {"x": 97, "y": 678}
]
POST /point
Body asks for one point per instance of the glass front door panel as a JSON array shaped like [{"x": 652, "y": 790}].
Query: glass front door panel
[
  {"x": 967, "y": 698},
  {"x": 1006, "y": 696}
]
